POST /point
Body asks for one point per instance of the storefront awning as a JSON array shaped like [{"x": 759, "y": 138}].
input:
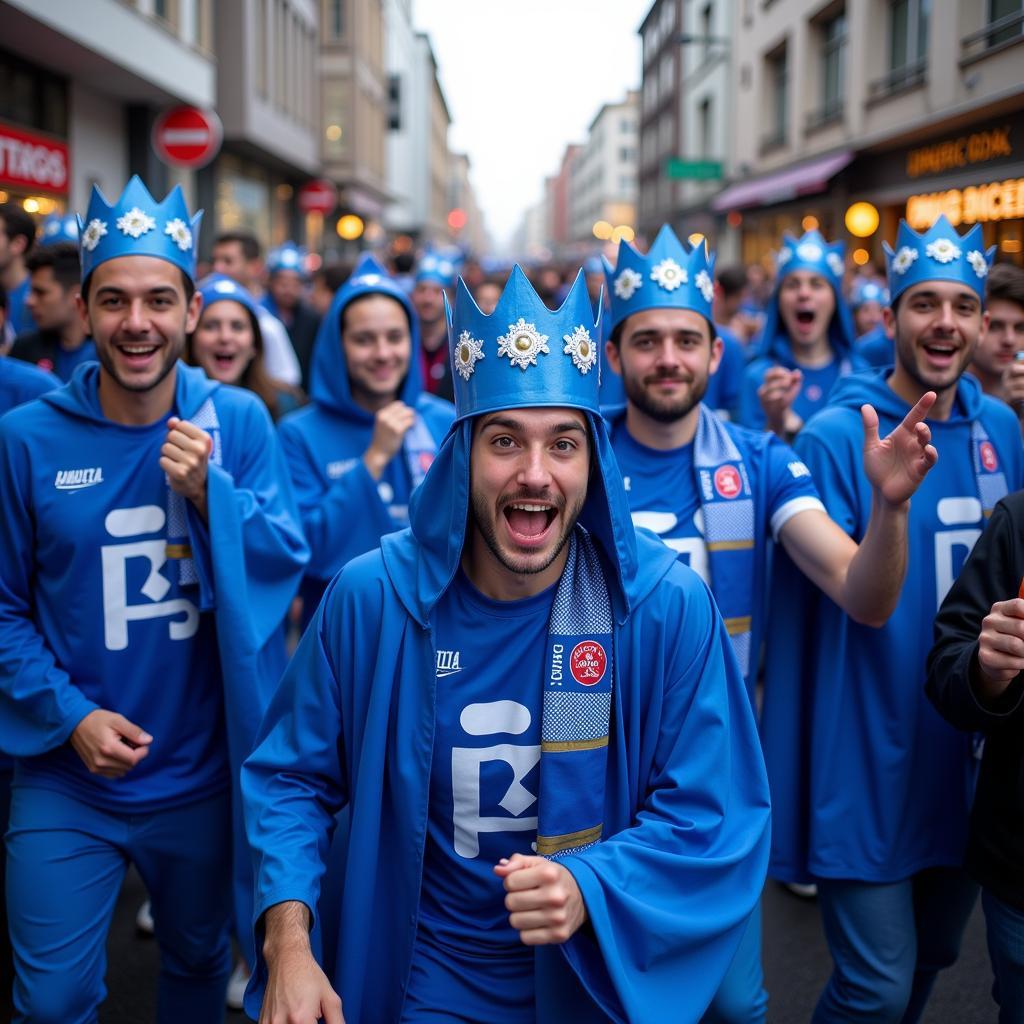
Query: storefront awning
[{"x": 804, "y": 180}]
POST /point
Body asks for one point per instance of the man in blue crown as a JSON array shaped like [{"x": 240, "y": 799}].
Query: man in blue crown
[
  {"x": 557, "y": 801},
  {"x": 872, "y": 788},
  {"x": 435, "y": 274},
  {"x": 720, "y": 494},
  {"x": 286, "y": 284},
  {"x": 361, "y": 447},
  {"x": 149, "y": 549},
  {"x": 807, "y": 342}
]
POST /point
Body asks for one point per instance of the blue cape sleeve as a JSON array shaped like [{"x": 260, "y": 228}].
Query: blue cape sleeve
[
  {"x": 667, "y": 899},
  {"x": 341, "y": 518},
  {"x": 39, "y": 704}
]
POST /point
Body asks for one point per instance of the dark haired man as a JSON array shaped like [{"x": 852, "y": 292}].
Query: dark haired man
[
  {"x": 17, "y": 234},
  {"x": 60, "y": 342},
  {"x": 995, "y": 361}
]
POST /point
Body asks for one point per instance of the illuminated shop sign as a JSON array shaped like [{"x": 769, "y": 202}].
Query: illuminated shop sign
[
  {"x": 998, "y": 200},
  {"x": 960, "y": 152},
  {"x": 32, "y": 162}
]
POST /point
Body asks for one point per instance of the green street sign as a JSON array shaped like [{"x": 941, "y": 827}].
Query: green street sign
[{"x": 693, "y": 170}]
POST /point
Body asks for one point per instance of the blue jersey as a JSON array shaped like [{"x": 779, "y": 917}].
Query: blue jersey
[
  {"x": 484, "y": 782},
  {"x": 66, "y": 362},
  {"x": 889, "y": 784},
  {"x": 726, "y": 383},
  {"x": 876, "y": 347},
  {"x": 663, "y": 495},
  {"x": 19, "y": 319},
  {"x": 813, "y": 395},
  {"x": 21, "y": 382}
]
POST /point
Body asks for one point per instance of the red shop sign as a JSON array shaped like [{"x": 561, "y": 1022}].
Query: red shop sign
[{"x": 32, "y": 162}]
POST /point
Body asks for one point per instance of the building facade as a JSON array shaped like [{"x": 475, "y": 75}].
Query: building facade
[
  {"x": 910, "y": 106},
  {"x": 604, "y": 174}
]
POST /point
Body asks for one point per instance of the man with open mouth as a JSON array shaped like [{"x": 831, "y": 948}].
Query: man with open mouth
[
  {"x": 872, "y": 789},
  {"x": 558, "y": 809},
  {"x": 808, "y": 339}
]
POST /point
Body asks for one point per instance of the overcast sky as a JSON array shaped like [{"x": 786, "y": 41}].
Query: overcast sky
[{"x": 523, "y": 79}]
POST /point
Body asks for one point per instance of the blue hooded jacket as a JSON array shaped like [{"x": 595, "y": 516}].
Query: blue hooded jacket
[
  {"x": 670, "y": 887},
  {"x": 868, "y": 781},
  {"x": 344, "y": 511},
  {"x": 69, "y": 587}
]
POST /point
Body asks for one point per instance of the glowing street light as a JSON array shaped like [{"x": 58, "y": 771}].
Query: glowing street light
[
  {"x": 350, "y": 227},
  {"x": 862, "y": 220},
  {"x": 603, "y": 230}
]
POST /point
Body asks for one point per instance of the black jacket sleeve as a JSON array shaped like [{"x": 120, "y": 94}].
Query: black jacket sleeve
[{"x": 992, "y": 573}]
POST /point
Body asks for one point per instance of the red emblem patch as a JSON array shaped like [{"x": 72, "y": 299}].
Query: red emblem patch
[
  {"x": 727, "y": 481},
  {"x": 426, "y": 460},
  {"x": 588, "y": 663},
  {"x": 989, "y": 459}
]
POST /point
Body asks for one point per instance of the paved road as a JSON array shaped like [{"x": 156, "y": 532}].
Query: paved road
[{"x": 796, "y": 964}]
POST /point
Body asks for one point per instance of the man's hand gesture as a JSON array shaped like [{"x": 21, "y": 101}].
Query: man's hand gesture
[
  {"x": 896, "y": 465},
  {"x": 108, "y": 744},
  {"x": 544, "y": 902},
  {"x": 390, "y": 426},
  {"x": 777, "y": 394},
  {"x": 1001, "y": 646},
  {"x": 184, "y": 457}
]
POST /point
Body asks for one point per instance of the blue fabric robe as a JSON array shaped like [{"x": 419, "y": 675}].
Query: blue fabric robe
[{"x": 668, "y": 891}]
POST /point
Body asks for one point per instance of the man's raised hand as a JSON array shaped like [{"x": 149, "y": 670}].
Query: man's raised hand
[
  {"x": 185, "y": 458},
  {"x": 896, "y": 465},
  {"x": 544, "y": 902},
  {"x": 390, "y": 426}
]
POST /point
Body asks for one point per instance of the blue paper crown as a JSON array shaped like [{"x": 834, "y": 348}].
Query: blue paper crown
[
  {"x": 369, "y": 276},
  {"x": 59, "y": 228},
  {"x": 137, "y": 225},
  {"x": 218, "y": 288},
  {"x": 865, "y": 290},
  {"x": 670, "y": 276},
  {"x": 524, "y": 354},
  {"x": 437, "y": 268},
  {"x": 811, "y": 252},
  {"x": 940, "y": 254},
  {"x": 287, "y": 257}
]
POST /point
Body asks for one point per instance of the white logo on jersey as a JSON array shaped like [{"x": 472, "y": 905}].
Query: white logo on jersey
[
  {"x": 499, "y": 716},
  {"x": 798, "y": 469},
  {"x": 627, "y": 484},
  {"x": 693, "y": 547},
  {"x": 954, "y": 512},
  {"x": 448, "y": 663},
  {"x": 340, "y": 468},
  {"x": 117, "y": 612},
  {"x": 77, "y": 479}
]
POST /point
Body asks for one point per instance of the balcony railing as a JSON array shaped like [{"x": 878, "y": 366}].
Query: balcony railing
[
  {"x": 899, "y": 80},
  {"x": 830, "y": 113},
  {"x": 996, "y": 35}
]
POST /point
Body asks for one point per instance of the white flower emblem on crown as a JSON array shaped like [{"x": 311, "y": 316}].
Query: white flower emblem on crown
[
  {"x": 93, "y": 232},
  {"x": 942, "y": 250},
  {"x": 835, "y": 263},
  {"x": 903, "y": 259},
  {"x": 705, "y": 285},
  {"x": 627, "y": 283},
  {"x": 467, "y": 353},
  {"x": 179, "y": 233},
  {"x": 785, "y": 255},
  {"x": 978, "y": 262},
  {"x": 522, "y": 344},
  {"x": 809, "y": 252},
  {"x": 135, "y": 222},
  {"x": 580, "y": 346},
  {"x": 669, "y": 275}
]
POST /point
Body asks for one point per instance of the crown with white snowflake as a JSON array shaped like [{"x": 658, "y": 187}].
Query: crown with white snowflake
[
  {"x": 670, "y": 276},
  {"x": 812, "y": 253},
  {"x": 286, "y": 257},
  {"x": 59, "y": 228},
  {"x": 939, "y": 254},
  {"x": 524, "y": 354},
  {"x": 137, "y": 225}
]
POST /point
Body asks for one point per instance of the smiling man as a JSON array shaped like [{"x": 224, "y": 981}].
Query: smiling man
[
  {"x": 136, "y": 641},
  {"x": 872, "y": 788},
  {"x": 808, "y": 339},
  {"x": 361, "y": 447},
  {"x": 722, "y": 496},
  {"x": 494, "y": 695}
]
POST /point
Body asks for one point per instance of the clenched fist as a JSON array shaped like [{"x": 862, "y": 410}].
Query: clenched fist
[
  {"x": 184, "y": 457},
  {"x": 390, "y": 426}
]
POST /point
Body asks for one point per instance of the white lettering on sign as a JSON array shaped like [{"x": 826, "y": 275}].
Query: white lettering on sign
[{"x": 23, "y": 161}]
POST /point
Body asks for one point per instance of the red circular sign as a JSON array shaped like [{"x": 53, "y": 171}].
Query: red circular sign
[
  {"x": 319, "y": 196},
  {"x": 988, "y": 456},
  {"x": 187, "y": 136},
  {"x": 588, "y": 663},
  {"x": 727, "y": 481}
]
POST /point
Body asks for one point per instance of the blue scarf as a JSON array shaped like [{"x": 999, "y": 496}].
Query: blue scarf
[
  {"x": 990, "y": 478},
  {"x": 728, "y": 507},
  {"x": 178, "y": 546},
  {"x": 577, "y": 706}
]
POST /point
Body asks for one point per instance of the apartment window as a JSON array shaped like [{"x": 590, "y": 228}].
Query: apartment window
[
  {"x": 334, "y": 18},
  {"x": 706, "y": 22},
  {"x": 626, "y": 153},
  {"x": 1009, "y": 14},
  {"x": 778, "y": 90},
  {"x": 394, "y": 103},
  {"x": 704, "y": 121},
  {"x": 833, "y": 65},
  {"x": 908, "y": 33}
]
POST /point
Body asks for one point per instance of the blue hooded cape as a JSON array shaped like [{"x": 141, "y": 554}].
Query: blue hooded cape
[
  {"x": 670, "y": 888},
  {"x": 342, "y": 511},
  {"x": 772, "y": 348},
  {"x": 868, "y": 781},
  {"x": 248, "y": 560}
]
